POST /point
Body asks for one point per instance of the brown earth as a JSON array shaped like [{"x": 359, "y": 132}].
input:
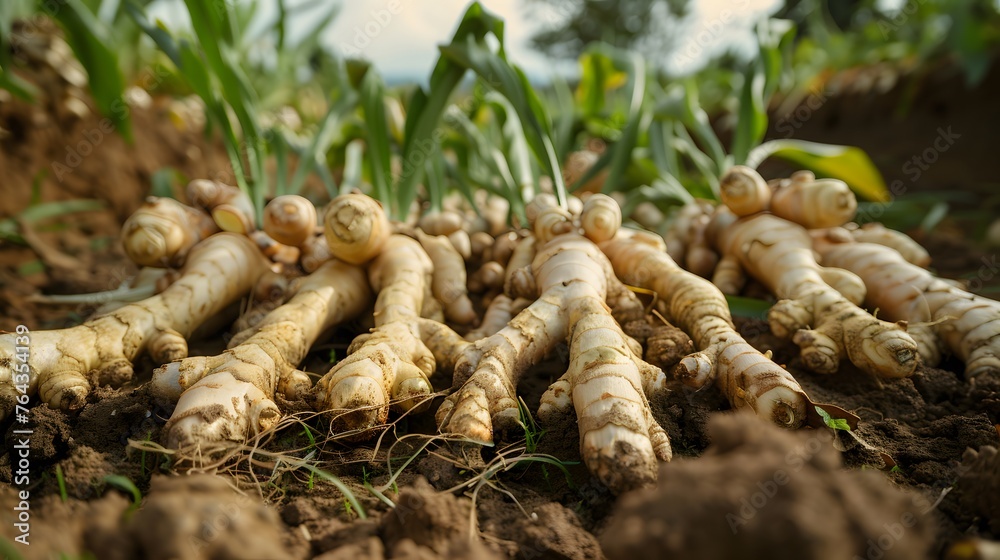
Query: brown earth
[{"x": 839, "y": 495}]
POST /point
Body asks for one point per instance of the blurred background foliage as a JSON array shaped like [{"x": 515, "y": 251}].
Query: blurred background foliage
[{"x": 293, "y": 114}]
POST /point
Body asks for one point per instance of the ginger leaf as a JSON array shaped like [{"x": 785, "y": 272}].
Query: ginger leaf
[{"x": 833, "y": 423}]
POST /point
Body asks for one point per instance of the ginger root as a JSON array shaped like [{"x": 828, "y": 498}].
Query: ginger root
[
  {"x": 746, "y": 377},
  {"x": 908, "y": 248},
  {"x": 448, "y": 280},
  {"x": 65, "y": 364},
  {"x": 230, "y": 396},
  {"x": 826, "y": 325},
  {"x": 391, "y": 364},
  {"x": 290, "y": 219},
  {"x": 810, "y": 202},
  {"x": 939, "y": 315},
  {"x": 607, "y": 383},
  {"x": 162, "y": 231},
  {"x": 230, "y": 207}
]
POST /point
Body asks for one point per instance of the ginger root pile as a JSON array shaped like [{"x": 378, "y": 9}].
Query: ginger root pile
[{"x": 456, "y": 294}]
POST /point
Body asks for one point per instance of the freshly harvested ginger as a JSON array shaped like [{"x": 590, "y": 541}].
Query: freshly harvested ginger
[
  {"x": 940, "y": 316},
  {"x": 231, "y": 396},
  {"x": 814, "y": 308},
  {"x": 607, "y": 382},
  {"x": 746, "y": 377},
  {"x": 65, "y": 364}
]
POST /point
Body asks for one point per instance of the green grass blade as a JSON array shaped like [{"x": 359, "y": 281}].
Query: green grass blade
[
  {"x": 159, "y": 35},
  {"x": 192, "y": 68},
  {"x": 328, "y": 181},
  {"x": 510, "y": 81},
  {"x": 94, "y": 47},
  {"x": 280, "y": 147},
  {"x": 564, "y": 119},
  {"x": 661, "y": 147},
  {"x": 601, "y": 164},
  {"x": 516, "y": 147},
  {"x": 427, "y": 107},
  {"x": 759, "y": 85},
  {"x": 748, "y": 307},
  {"x": 422, "y": 122},
  {"x": 216, "y": 33},
  {"x": 435, "y": 180},
  {"x": 340, "y": 486},
  {"x": 696, "y": 119},
  {"x": 377, "y": 127},
  {"x": 16, "y": 85},
  {"x": 702, "y": 162},
  {"x": 315, "y": 152},
  {"x": 751, "y": 123},
  {"x": 126, "y": 485},
  {"x": 492, "y": 157},
  {"x": 622, "y": 150}
]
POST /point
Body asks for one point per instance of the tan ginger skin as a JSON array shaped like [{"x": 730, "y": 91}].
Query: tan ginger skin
[
  {"x": 810, "y": 202},
  {"x": 940, "y": 315},
  {"x": 67, "y": 363},
  {"x": 231, "y": 396},
  {"x": 230, "y": 207},
  {"x": 746, "y": 377},
  {"x": 826, "y": 325},
  {"x": 900, "y": 242},
  {"x": 391, "y": 364},
  {"x": 162, "y": 232},
  {"x": 448, "y": 282},
  {"x": 290, "y": 220},
  {"x": 607, "y": 382}
]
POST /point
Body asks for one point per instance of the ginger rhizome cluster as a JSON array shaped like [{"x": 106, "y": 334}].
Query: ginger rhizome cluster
[{"x": 458, "y": 302}]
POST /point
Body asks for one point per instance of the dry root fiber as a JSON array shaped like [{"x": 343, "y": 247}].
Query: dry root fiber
[
  {"x": 230, "y": 396},
  {"x": 607, "y": 382},
  {"x": 818, "y": 306},
  {"x": 748, "y": 378},
  {"x": 65, "y": 364},
  {"x": 940, "y": 316}
]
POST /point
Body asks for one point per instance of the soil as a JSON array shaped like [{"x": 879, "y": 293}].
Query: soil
[{"x": 919, "y": 473}]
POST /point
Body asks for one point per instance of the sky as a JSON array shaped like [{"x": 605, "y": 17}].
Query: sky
[
  {"x": 401, "y": 36},
  {"x": 405, "y": 45}
]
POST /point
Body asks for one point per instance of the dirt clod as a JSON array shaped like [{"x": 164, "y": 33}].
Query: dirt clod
[
  {"x": 218, "y": 522},
  {"x": 979, "y": 484},
  {"x": 427, "y": 517},
  {"x": 760, "y": 492}
]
